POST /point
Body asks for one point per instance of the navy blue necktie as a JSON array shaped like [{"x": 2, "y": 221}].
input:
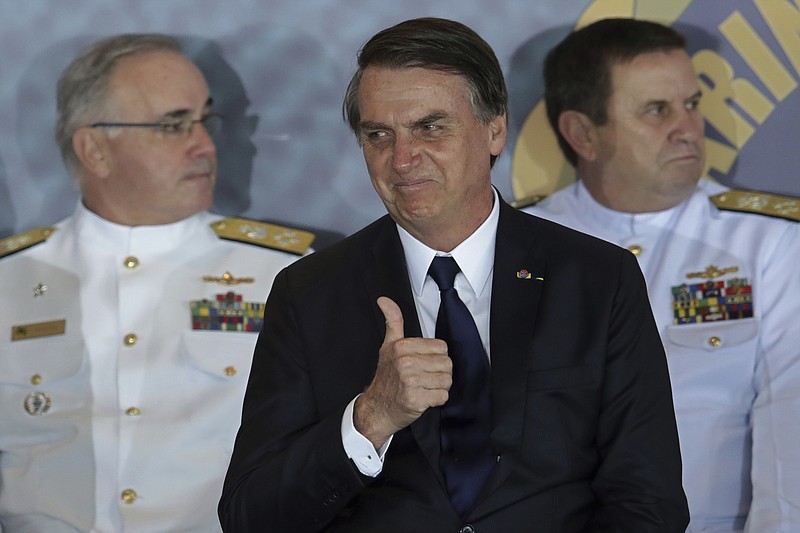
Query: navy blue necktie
[{"x": 466, "y": 457}]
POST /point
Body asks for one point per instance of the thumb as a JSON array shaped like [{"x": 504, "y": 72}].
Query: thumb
[{"x": 394, "y": 319}]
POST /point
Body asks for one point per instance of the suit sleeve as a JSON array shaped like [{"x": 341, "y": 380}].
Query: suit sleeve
[
  {"x": 638, "y": 484},
  {"x": 289, "y": 471}
]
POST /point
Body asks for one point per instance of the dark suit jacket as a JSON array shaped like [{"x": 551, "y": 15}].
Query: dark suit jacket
[{"x": 583, "y": 419}]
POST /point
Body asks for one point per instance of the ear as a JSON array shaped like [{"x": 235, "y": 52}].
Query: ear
[
  {"x": 498, "y": 130},
  {"x": 91, "y": 148},
  {"x": 579, "y": 131}
]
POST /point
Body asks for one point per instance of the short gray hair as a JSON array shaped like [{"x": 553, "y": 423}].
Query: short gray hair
[{"x": 83, "y": 91}]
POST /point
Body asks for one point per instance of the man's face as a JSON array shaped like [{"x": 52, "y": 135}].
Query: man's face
[
  {"x": 155, "y": 177},
  {"x": 650, "y": 153},
  {"x": 427, "y": 154}
]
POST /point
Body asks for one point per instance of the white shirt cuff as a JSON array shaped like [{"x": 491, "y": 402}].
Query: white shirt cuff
[{"x": 359, "y": 449}]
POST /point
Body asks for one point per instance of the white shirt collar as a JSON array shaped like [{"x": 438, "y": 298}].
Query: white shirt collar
[{"x": 475, "y": 256}]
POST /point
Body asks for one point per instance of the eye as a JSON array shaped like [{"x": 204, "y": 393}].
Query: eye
[
  {"x": 375, "y": 137},
  {"x": 657, "y": 109},
  {"x": 173, "y": 127},
  {"x": 429, "y": 130},
  {"x": 693, "y": 104}
]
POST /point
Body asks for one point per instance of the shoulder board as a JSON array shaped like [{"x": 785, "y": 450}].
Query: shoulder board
[
  {"x": 26, "y": 239},
  {"x": 762, "y": 203},
  {"x": 528, "y": 201},
  {"x": 294, "y": 241}
]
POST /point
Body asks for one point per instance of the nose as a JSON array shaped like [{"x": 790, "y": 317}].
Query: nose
[
  {"x": 201, "y": 141},
  {"x": 405, "y": 154},
  {"x": 688, "y": 127}
]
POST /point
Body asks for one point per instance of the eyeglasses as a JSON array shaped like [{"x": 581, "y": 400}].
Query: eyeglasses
[{"x": 175, "y": 127}]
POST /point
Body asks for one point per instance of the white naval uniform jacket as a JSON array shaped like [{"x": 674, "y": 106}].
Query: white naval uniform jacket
[
  {"x": 126, "y": 420},
  {"x": 736, "y": 382}
]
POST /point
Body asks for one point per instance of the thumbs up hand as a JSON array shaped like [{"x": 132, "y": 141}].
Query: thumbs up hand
[{"x": 413, "y": 374}]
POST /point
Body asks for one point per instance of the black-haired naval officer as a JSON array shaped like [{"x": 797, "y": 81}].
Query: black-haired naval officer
[
  {"x": 721, "y": 265},
  {"x": 128, "y": 328}
]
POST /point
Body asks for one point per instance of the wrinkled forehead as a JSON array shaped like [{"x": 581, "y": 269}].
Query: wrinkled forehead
[
  {"x": 157, "y": 83},
  {"x": 410, "y": 85},
  {"x": 654, "y": 72}
]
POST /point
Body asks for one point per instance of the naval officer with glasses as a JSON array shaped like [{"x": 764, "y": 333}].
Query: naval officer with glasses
[{"x": 128, "y": 328}]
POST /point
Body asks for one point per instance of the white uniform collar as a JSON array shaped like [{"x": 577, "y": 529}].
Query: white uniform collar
[
  {"x": 617, "y": 222},
  {"x": 475, "y": 256},
  {"x": 94, "y": 230}
]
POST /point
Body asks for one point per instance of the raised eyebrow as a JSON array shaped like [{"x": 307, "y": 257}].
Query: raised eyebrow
[
  {"x": 652, "y": 103},
  {"x": 175, "y": 115},
  {"x": 696, "y": 96},
  {"x": 181, "y": 113},
  {"x": 424, "y": 121},
  {"x": 372, "y": 126},
  {"x": 429, "y": 119}
]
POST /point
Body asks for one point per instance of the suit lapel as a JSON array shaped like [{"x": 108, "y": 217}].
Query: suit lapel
[
  {"x": 388, "y": 276},
  {"x": 517, "y": 280}
]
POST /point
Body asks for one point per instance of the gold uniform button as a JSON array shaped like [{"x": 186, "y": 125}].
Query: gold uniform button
[
  {"x": 715, "y": 342},
  {"x": 130, "y": 339},
  {"x": 36, "y": 379},
  {"x": 128, "y": 496},
  {"x": 132, "y": 411},
  {"x": 635, "y": 249},
  {"x": 230, "y": 371},
  {"x": 130, "y": 262}
]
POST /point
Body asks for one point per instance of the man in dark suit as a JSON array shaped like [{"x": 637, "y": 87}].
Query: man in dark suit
[{"x": 566, "y": 420}]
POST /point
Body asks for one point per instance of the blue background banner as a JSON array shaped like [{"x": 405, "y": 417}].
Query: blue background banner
[{"x": 278, "y": 71}]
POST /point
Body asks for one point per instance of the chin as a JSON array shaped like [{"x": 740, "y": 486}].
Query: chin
[
  {"x": 206, "y": 205},
  {"x": 200, "y": 203}
]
